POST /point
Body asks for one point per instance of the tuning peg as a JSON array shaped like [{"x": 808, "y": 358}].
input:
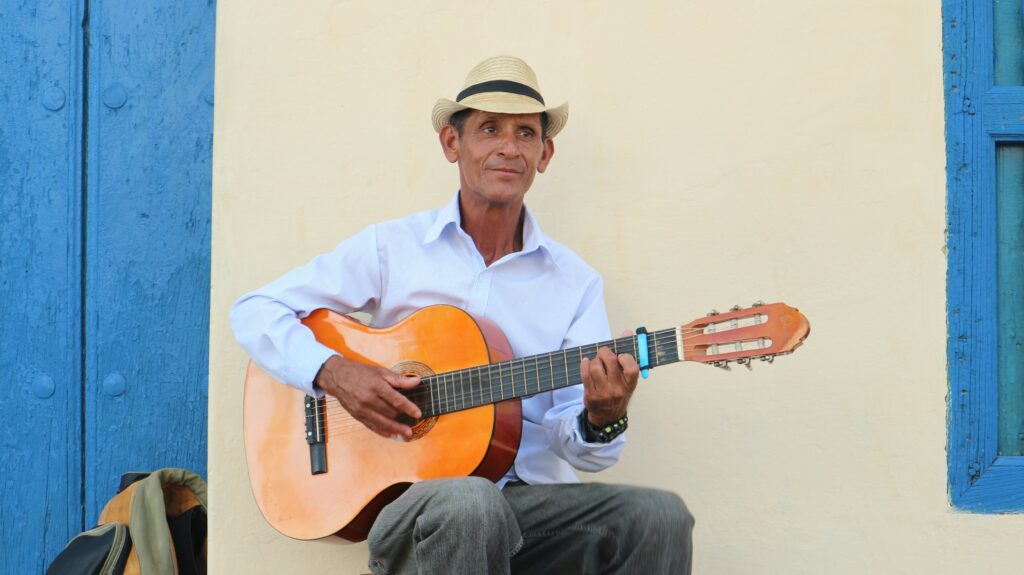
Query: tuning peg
[
  {"x": 757, "y": 303},
  {"x": 713, "y": 312},
  {"x": 722, "y": 364},
  {"x": 745, "y": 361},
  {"x": 768, "y": 358},
  {"x": 735, "y": 308}
]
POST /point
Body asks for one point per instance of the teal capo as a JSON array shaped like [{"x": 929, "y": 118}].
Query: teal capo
[{"x": 641, "y": 351}]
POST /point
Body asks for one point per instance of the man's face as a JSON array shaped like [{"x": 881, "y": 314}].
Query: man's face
[{"x": 498, "y": 154}]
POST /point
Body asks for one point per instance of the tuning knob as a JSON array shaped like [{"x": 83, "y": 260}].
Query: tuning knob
[
  {"x": 745, "y": 361},
  {"x": 757, "y": 303},
  {"x": 768, "y": 358},
  {"x": 722, "y": 364},
  {"x": 735, "y": 308},
  {"x": 713, "y": 312}
]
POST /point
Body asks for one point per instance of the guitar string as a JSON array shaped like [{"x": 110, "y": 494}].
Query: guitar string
[
  {"x": 338, "y": 418},
  {"x": 449, "y": 379},
  {"x": 439, "y": 385},
  {"x": 450, "y": 397},
  {"x": 336, "y": 413}
]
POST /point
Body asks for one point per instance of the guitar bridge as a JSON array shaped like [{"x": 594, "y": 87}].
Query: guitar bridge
[{"x": 316, "y": 433}]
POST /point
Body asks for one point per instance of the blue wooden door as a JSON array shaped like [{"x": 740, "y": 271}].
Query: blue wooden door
[{"x": 105, "y": 166}]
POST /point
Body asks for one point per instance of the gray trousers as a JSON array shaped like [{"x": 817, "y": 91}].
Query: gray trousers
[{"x": 468, "y": 526}]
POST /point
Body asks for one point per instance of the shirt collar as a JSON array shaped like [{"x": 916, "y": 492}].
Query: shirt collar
[{"x": 533, "y": 238}]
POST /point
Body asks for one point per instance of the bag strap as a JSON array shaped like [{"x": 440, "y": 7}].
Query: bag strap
[{"x": 188, "y": 531}]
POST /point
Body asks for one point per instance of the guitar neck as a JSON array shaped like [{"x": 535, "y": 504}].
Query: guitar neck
[{"x": 485, "y": 384}]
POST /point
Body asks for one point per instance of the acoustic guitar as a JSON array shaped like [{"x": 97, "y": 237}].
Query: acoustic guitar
[{"x": 315, "y": 471}]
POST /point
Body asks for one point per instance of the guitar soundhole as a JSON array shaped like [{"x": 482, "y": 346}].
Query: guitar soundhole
[{"x": 423, "y": 426}]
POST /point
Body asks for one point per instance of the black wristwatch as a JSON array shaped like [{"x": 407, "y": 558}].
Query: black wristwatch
[{"x": 604, "y": 434}]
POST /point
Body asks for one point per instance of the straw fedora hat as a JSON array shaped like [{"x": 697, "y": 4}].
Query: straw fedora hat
[{"x": 502, "y": 84}]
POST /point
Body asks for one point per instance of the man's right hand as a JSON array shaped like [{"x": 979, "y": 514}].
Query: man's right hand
[{"x": 370, "y": 394}]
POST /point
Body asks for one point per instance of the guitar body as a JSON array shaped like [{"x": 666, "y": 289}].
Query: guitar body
[{"x": 365, "y": 472}]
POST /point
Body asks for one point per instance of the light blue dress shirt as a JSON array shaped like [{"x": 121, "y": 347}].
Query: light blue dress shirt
[{"x": 544, "y": 298}]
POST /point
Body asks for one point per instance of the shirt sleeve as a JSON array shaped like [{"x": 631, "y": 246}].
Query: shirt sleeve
[
  {"x": 266, "y": 322},
  {"x": 561, "y": 422}
]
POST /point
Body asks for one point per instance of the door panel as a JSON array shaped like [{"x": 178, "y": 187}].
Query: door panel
[
  {"x": 40, "y": 281},
  {"x": 148, "y": 239}
]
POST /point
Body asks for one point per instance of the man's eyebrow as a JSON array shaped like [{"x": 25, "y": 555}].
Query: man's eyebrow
[{"x": 523, "y": 122}]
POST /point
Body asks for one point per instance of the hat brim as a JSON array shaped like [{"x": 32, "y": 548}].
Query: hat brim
[{"x": 501, "y": 103}]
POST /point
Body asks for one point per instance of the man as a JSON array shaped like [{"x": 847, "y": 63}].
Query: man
[{"x": 485, "y": 253}]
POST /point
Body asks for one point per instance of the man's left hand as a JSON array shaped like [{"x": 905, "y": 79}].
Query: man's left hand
[{"x": 608, "y": 383}]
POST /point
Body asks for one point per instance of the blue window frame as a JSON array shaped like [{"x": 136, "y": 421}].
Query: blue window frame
[{"x": 983, "y": 68}]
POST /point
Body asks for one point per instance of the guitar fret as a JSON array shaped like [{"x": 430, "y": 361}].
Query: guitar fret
[
  {"x": 565, "y": 358},
  {"x": 480, "y": 384},
  {"x": 477, "y": 400},
  {"x": 537, "y": 368},
  {"x": 454, "y": 396},
  {"x": 490, "y": 387},
  {"x": 466, "y": 395},
  {"x": 462, "y": 388},
  {"x": 501, "y": 382},
  {"x": 551, "y": 371},
  {"x": 444, "y": 392},
  {"x": 440, "y": 392},
  {"x": 497, "y": 381},
  {"x": 490, "y": 382},
  {"x": 512, "y": 372}
]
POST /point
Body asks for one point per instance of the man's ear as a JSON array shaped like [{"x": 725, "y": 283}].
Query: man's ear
[
  {"x": 549, "y": 150},
  {"x": 449, "y": 138}
]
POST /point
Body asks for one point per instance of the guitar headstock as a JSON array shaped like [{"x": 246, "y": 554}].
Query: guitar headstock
[{"x": 761, "y": 331}]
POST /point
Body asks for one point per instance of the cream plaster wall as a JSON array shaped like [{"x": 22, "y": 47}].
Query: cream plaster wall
[{"x": 716, "y": 153}]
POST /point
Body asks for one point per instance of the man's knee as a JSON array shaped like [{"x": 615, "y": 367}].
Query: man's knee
[
  {"x": 472, "y": 501},
  {"x": 659, "y": 512}
]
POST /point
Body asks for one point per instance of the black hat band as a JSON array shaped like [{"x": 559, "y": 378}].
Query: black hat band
[{"x": 500, "y": 86}]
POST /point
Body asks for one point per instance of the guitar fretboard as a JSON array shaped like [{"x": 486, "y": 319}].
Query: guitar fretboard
[{"x": 485, "y": 384}]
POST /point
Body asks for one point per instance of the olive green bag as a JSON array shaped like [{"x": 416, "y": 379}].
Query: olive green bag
[{"x": 155, "y": 525}]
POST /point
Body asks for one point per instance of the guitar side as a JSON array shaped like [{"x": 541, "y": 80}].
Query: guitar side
[{"x": 365, "y": 471}]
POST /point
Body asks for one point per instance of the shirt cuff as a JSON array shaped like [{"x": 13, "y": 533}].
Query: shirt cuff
[
  {"x": 305, "y": 368},
  {"x": 578, "y": 452}
]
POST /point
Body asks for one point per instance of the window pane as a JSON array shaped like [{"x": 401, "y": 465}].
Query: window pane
[
  {"x": 1009, "y": 43},
  {"x": 1010, "y": 263}
]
